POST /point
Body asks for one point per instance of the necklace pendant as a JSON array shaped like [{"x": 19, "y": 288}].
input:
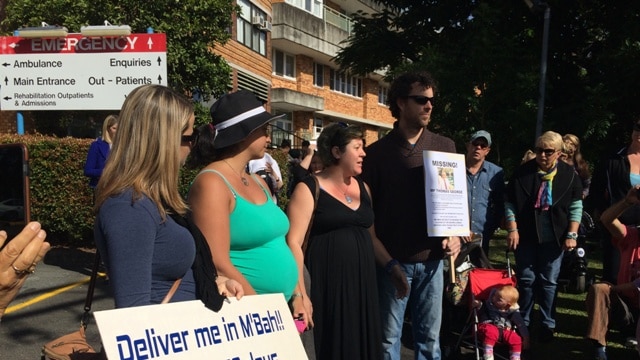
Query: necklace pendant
[
  {"x": 245, "y": 181},
  {"x": 348, "y": 198}
]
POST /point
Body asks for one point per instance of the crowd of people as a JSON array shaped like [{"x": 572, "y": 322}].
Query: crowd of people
[{"x": 353, "y": 254}]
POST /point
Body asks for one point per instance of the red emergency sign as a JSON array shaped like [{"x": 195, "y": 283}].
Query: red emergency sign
[{"x": 78, "y": 44}]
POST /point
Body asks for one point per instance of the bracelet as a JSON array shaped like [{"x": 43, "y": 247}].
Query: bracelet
[
  {"x": 389, "y": 267},
  {"x": 295, "y": 295},
  {"x": 572, "y": 235},
  {"x": 512, "y": 230}
]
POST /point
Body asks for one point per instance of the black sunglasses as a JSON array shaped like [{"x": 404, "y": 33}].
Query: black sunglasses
[
  {"x": 482, "y": 144},
  {"x": 188, "y": 138},
  {"x": 547, "y": 152},
  {"x": 421, "y": 100},
  {"x": 636, "y": 127}
]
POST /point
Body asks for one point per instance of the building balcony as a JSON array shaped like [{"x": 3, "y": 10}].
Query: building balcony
[
  {"x": 287, "y": 100},
  {"x": 297, "y": 31}
]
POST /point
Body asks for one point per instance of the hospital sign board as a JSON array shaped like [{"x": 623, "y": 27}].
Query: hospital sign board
[{"x": 76, "y": 72}]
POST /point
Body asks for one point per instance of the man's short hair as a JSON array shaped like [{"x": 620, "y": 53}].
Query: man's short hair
[
  {"x": 305, "y": 143},
  {"x": 401, "y": 87},
  {"x": 285, "y": 143}
]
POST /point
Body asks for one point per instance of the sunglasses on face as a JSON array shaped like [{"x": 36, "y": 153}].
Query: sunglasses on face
[
  {"x": 188, "y": 138},
  {"x": 421, "y": 100},
  {"x": 483, "y": 145},
  {"x": 546, "y": 152},
  {"x": 636, "y": 127}
]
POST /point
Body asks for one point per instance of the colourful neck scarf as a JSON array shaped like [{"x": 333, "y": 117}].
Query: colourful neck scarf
[{"x": 544, "y": 200}]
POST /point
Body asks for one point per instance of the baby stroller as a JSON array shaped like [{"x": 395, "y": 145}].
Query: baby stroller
[{"x": 481, "y": 282}]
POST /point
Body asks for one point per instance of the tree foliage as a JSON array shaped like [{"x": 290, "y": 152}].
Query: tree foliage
[
  {"x": 191, "y": 26},
  {"x": 486, "y": 56}
]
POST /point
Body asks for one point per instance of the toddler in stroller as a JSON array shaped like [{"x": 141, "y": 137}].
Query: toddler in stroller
[{"x": 499, "y": 320}]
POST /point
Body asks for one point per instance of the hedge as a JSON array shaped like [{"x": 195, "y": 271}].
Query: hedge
[{"x": 61, "y": 199}]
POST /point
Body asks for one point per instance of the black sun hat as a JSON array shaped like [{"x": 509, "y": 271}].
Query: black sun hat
[{"x": 236, "y": 115}]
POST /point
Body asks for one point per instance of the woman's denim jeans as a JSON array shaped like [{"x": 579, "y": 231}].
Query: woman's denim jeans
[
  {"x": 537, "y": 270},
  {"x": 425, "y": 301}
]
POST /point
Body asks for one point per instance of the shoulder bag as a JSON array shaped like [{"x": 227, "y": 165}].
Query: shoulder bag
[{"x": 74, "y": 346}]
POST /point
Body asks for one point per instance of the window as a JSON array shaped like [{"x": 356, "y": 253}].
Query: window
[
  {"x": 281, "y": 129},
  {"x": 314, "y": 7},
  {"x": 283, "y": 64},
  {"x": 248, "y": 34},
  {"x": 317, "y": 127},
  {"x": 344, "y": 83},
  {"x": 318, "y": 75},
  {"x": 382, "y": 94}
]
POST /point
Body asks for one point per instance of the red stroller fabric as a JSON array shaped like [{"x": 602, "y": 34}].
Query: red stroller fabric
[{"x": 481, "y": 281}]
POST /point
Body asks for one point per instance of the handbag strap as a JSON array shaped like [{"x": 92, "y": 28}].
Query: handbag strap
[
  {"x": 172, "y": 291},
  {"x": 90, "y": 290},
  {"x": 316, "y": 194}
]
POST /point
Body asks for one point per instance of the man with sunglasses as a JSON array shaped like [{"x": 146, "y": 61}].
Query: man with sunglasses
[
  {"x": 394, "y": 171},
  {"x": 485, "y": 188}
]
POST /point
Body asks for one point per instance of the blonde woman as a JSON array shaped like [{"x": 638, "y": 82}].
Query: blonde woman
[
  {"x": 144, "y": 249},
  {"x": 543, "y": 211},
  {"x": 99, "y": 150},
  {"x": 572, "y": 156}
]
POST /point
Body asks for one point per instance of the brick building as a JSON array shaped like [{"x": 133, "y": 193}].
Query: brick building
[{"x": 282, "y": 50}]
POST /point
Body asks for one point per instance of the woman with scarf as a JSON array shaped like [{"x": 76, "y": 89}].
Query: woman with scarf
[{"x": 542, "y": 213}]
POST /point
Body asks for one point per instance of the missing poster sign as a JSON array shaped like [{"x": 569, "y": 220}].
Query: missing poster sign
[{"x": 446, "y": 194}]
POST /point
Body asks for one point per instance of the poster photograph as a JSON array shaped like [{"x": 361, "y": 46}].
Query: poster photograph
[{"x": 446, "y": 194}]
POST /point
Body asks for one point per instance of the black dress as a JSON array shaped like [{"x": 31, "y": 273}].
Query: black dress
[{"x": 344, "y": 291}]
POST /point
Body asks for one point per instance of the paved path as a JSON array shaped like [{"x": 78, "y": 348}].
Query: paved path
[{"x": 51, "y": 304}]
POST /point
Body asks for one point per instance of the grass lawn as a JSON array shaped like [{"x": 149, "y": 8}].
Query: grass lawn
[{"x": 571, "y": 317}]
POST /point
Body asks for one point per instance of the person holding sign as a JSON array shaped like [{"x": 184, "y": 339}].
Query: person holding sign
[
  {"x": 542, "y": 215},
  {"x": 245, "y": 229},
  {"x": 144, "y": 249},
  {"x": 18, "y": 260},
  {"x": 394, "y": 170}
]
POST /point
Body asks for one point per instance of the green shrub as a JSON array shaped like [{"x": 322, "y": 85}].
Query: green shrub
[
  {"x": 60, "y": 195},
  {"x": 61, "y": 199}
]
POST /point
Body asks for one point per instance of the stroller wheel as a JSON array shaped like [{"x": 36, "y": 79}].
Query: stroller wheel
[{"x": 581, "y": 283}]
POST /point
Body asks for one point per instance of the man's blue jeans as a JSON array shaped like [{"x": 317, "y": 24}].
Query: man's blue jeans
[
  {"x": 537, "y": 270},
  {"x": 425, "y": 300}
]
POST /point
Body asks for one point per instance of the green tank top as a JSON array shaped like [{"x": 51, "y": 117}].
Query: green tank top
[{"x": 258, "y": 248}]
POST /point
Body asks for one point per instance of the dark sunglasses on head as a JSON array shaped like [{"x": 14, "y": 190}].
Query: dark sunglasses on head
[
  {"x": 636, "y": 127},
  {"x": 547, "y": 152},
  {"x": 482, "y": 144},
  {"x": 421, "y": 100}
]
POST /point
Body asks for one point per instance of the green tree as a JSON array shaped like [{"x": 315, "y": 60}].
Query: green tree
[
  {"x": 486, "y": 58},
  {"x": 192, "y": 27}
]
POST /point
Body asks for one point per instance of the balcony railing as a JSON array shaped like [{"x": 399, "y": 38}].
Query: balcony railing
[{"x": 338, "y": 19}]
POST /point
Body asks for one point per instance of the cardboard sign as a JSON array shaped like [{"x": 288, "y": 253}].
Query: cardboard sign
[
  {"x": 258, "y": 327},
  {"x": 445, "y": 181}
]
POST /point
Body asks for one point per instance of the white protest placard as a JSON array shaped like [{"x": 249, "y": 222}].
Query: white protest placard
[
  {"x": 445, "y": 181},
  {"x": 257, "y": 327}
]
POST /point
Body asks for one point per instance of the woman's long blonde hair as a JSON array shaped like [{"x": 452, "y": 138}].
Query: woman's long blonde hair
[
  {"x": 109, "y": 121},
  {"x": 146, "y": 153}
]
